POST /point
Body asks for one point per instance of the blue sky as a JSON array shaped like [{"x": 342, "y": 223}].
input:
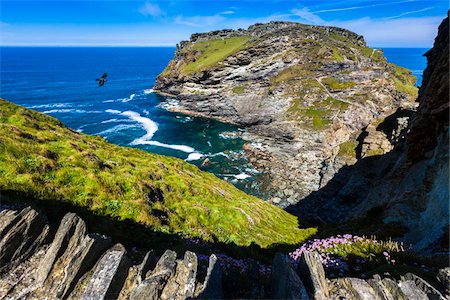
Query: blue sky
[{"x": 395, "y": 23}]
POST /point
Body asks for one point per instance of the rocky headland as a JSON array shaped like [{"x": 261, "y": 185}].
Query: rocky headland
[
  {"x": 303, "y": 93},
  {"x": 407, "y": 188}
]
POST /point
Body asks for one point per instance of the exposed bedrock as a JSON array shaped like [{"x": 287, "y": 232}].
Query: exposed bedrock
[
  {"x": 303, "y": 92},
  {"x": 408, "y": 186},
  {"x": 75, "y": 264}
]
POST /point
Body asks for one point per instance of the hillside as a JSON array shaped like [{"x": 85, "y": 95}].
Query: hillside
[
  {"x": 42, "y": 159},
  {"x": 303, "y": 92}
]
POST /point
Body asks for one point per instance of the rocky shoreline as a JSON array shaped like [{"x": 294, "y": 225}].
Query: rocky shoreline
[{"x": 302, "y": 93}]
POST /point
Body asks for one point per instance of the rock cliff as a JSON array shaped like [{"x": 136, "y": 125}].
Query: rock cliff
[
  {"x": 410, "y": 185},
  {"x": 303, "y": 93},
  {"x": 71, "y": 263}
]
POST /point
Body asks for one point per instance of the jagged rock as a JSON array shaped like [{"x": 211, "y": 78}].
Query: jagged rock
[
  {"x": 424, "y": 286},
  {"x": 22, "y": 234},
  {"x": 268, "y": 85},
  {"x": 313, "y": 275},
  {"x": 212, "y": 286},
  {"x": 6, "y": 216},
  {"x": 106, "y": 278},
  {"x": 285, "y": 282},
  {"x": 181, "y": 285},
  {"x": 72, "y": 228},
  {"x": 393, "y": 289},
  {"x": 411, "y": 291},
  {"x": 408, "y": 186},
  {"x": 444, "y": 277},
  {"x": 81, "y": 254},
  {"x": 136, "y": 275},
  {"x": 154, "y": 282}
]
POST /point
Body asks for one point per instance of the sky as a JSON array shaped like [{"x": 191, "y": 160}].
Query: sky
[{"x": 383, "y": 23}]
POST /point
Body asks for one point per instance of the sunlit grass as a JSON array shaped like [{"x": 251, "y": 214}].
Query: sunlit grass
[{"x": 43, "y": 159}]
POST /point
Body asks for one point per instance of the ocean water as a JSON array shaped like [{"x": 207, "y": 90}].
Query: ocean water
[
  {"x": 411, "y": 58},
  {"x": 60, "y": 81}
]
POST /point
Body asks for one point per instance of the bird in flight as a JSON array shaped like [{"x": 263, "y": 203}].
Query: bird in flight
[{"x": 102, "y": 80}]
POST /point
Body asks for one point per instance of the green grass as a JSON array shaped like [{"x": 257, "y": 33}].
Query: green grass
[
  {"x": 41, "y": 158},
  {"x": 404, "y": 81},
  {"x": 239, "y": 89},
  {"x": 336, "y": 55},
  {"x": 212, "y": 52},
  {"x": 335, "y": 84},
  {"x": 374, "y": 152},
  {"x": 348, "y": 148},
  {"x": 318, "y": 122}
]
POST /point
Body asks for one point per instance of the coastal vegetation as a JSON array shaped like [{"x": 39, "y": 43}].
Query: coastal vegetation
[
  {"x": 210, "y": 53},
  {"x": 44, "y": 160}
]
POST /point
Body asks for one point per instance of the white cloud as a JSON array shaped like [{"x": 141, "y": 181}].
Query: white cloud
[
  {"x": 409, "y": 13},
  {"x": 199, "y": 21},
  {"x": 227, "y": 12},
  {"x": 306, "y": 15},
  {"x": 403, "y": 32},
  {"x": 151, "y": 9},
  {"x": 360, "y": 7}
]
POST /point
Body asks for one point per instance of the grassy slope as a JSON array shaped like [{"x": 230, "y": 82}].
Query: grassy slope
[
  {"x": 206, "y": 54},
  {"x": 46, "y": 160}
]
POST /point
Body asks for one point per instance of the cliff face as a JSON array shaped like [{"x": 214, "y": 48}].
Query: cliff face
[
  {"x": 409, "y": 186},
  {"x": 303, "y": 92}
]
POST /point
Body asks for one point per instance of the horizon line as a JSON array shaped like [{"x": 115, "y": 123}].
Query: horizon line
[{"x": 160, "y": 46}]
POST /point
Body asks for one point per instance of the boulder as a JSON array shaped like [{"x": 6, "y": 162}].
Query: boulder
[
  {"x": 313, "y": 275},
  {"x": 79, "y": 257},
  {"x": 106, "y": 279},
  {"x": 71, "y": 231},
  {"x": 136, "y": 275},
  {"x": 181, "y": 285},
  {"x": 285, "y": 283},
  {"x": 154, "y": 282}
]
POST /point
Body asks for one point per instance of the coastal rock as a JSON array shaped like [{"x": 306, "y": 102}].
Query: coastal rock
[
  {"x": 211, "y": 288},
  {"x": 408, "y": 186},
  {"x": 71, "y": 277},
  {"x": 300, "y": 91},
  {"x": 136, "y": 274},
  {"x": 107, "y": 277},
  {"x": 182, "y": 284},
  {"x": 313, "y": 275},
  {"x": 154, "y": 282},
  {"x": 21, "y": 235},
  {"x": 284, "y": 280}
]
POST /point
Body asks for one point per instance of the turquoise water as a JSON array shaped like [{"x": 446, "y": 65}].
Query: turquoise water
[{"x": 61, "y": 82}]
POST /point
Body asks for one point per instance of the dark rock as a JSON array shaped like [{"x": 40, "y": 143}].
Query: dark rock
[
  {"x": 22, "y": 234},
  {"x": 285, "y": 283},
  {"x": 313, "y": 275},
  {"x": 212, "y": 286}
]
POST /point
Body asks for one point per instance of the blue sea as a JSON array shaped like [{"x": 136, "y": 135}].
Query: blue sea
[{"x": 60, "y": 81}]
